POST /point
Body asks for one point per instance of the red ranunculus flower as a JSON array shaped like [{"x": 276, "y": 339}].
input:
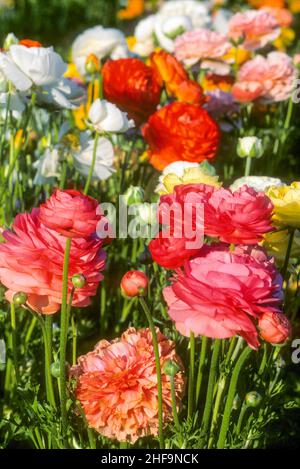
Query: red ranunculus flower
[
  {"x": 132, "y": 86},
  {"x": 181, "y": 131},
  {"x": 170, "y": 252},
  {"x": 70, "y": 213}
]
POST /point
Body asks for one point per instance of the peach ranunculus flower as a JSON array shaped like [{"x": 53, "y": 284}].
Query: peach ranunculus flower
[
  {"x": 201, "y": 44},
  {"x": 220, "y": 293},
  {"x": 283, "y": 16},
  {"x": 70, "y": 213},
  {"x": 255, "y": 27},
  {"x": 31, "y": 261},
  {"x": 117, "y": 385},
  {"x": 269, "y": 79},
  {"x": 171, "y": 73}
]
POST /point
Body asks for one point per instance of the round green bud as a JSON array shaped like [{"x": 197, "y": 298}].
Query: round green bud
[
  {"x": 134, "y": 195},
  {"x": 249, "y": 147},
  {"x": 55, "y": 369},
  {"x": 20, "y": 298},
  {"x": 78, "y": 280},
  {"x": 253, "y": 399},
  {"x": 171, "y": 368}
]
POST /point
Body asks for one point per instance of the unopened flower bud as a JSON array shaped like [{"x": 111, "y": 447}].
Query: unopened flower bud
[
  {"x": 78, "y": 280},
  {"x": 253, "y": 399},
  {"x": 134, "y": 283},
  {"x": 236, "y": 402},
  {"x": 55, "y": 368},
  {"x": 92, "y": 64},
  {"x": 274, "y": 327},
  {"x": 134, "y": 195},
  {"x": 171, "y": 368},
  {"x": 10, "y": 40},
  {"x": 20, "y": 298},
  {"x": 250, "y": 147}
]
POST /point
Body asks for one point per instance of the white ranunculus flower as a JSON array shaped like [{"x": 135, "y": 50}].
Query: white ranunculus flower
[
  {"x": 47, "y": 167},
  {"x": 67, "y": 94},
  {"x": 250, "y": 147},
  {"x": 196, "y": 11},
  {"x": 16, "y": 104},
  {"x": 101, "y": 42},
  {"x": 28, "y": 66},
  {"x": 259, "y": 183},
  {"x": 144, "y": 34},
  {"x": 178, "y": 168},
  {"x": 166, "y": 30},
  {"x": 221, "y": 20},
  {"x": 107, "y": 117},
  {"x": 104, "y": 157}
]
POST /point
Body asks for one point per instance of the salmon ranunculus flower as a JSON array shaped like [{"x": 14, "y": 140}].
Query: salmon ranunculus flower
[
  {"x": 286, "y": 200},
  {"x": 70, "y": 213},
  {"x": 274, "y": 327},
  {"x": 220, "y": 293},
  {"x": 31, "y": 261},
  {"x": 283, "y": 16},
  {"x": 132, "y": 86},
  {"x": 201, "y": 44},
  {"x": 117, "y": 385},
  {"x": 240, "y": 217},
  {"x": 269, "y": 79},
  {"x": 255, "y": 27},
  {"x": 181, "y": 131},
  {"x": 170, "y": 72}
]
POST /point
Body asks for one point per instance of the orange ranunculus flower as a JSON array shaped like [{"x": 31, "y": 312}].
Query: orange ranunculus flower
[
  {"x": 132, "y": 86},
  {"x": 134, "y": 8},
  {"x": 171, "y": 73},
  {"x": 267, "y": 3},
  {"x": 294, "y": 6},
  {"x": 29, "y": 43},
  {"x": 213, "y": 82},
  {"x": 181, "y": 131}
]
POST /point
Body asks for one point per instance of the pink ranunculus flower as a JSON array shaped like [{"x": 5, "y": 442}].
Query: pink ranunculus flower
[
  {"x": 282, "y": 15},
  {"x": 221, "y": 293},
  {"x": 117, "y": 385},
  {"x": 269, "y": 79},
  {"x": 256, "y": 27},
  {"x": 274, "y": 327},
  {"x": 31, "y": 261},
  {"x": 240, "y": 217},
  {"x": 200, "y": 44},
  {"x": 70, "y": 213}
]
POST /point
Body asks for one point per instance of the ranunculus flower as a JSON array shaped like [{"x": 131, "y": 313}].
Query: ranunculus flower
[
  {"x": 132, "y": 86},
  {"x": 170, "y": 252},
  {"x": 70, "y": 213},
  {"x": 274, "y": 327},
  {"x": 83, "y": 157},
  {"x": 47, "y": 167},
  {"x": 286, "y": 200},
  {"x": 250, "y": 147},
  {"x": 117, "y": 385},
  {"x": 258, "y": 183},
  {"x": 31, "y": 261},
  {"x": 183, "y": 172},
  {"x": 256, "y": 27},
  {"x": 101, "y": 42},
  {"x": 276, "y": 244},
  {"x": 170, "y": 72},
  {"x": 220, "y": 292},
  {"x": 240, "y": 217},
  {"x": 269, "y": 79},
  {"x": 201, "y": 44},
  {"x": 106, "y": 117},
  {"x": 282, "y": 15},
  {"x": 134, "y": 283},
  {"x": 181, "y": 131},
  {"x": 25, "y": 67}
]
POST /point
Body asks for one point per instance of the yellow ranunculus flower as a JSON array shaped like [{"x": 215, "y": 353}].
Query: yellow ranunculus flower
[
  {"x": 237, "y": 55},
  {"x": 190, "y": 176},
  {"x": 286, "y": 38},
  {"x": 276, "y": 244},
  {"x": 286, "y": 200}
]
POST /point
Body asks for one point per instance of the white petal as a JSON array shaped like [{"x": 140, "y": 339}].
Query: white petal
[{"x": 14, "y": 74}]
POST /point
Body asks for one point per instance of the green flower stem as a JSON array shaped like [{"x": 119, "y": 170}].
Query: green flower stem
[
  {"x": 191, "y": 375},
  {"x": 63, "y": 338},
  {"x": 174, "y": 408},
  {"x": 90, "y": 176},
  {"x": 74, "y": 340},
  {"x": 230, "y": 349},
  {"x": 158, "y": 370},
  {"x": 200, "y": 368},
  {"x": 248, "y": 166},
  {"x": 264, "y": 360},
  {"x": 30, "y": 330},
  {"x": 243, "y": 411},
  {"x": 14, "y": 341},
  {"x": 284, "y": 271},
  {"x": 48, "y": 360},
  {"x": 230, "y": 397},
  {"x": 210, "y": 387},
  {"x": 220, "y": 390}
]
